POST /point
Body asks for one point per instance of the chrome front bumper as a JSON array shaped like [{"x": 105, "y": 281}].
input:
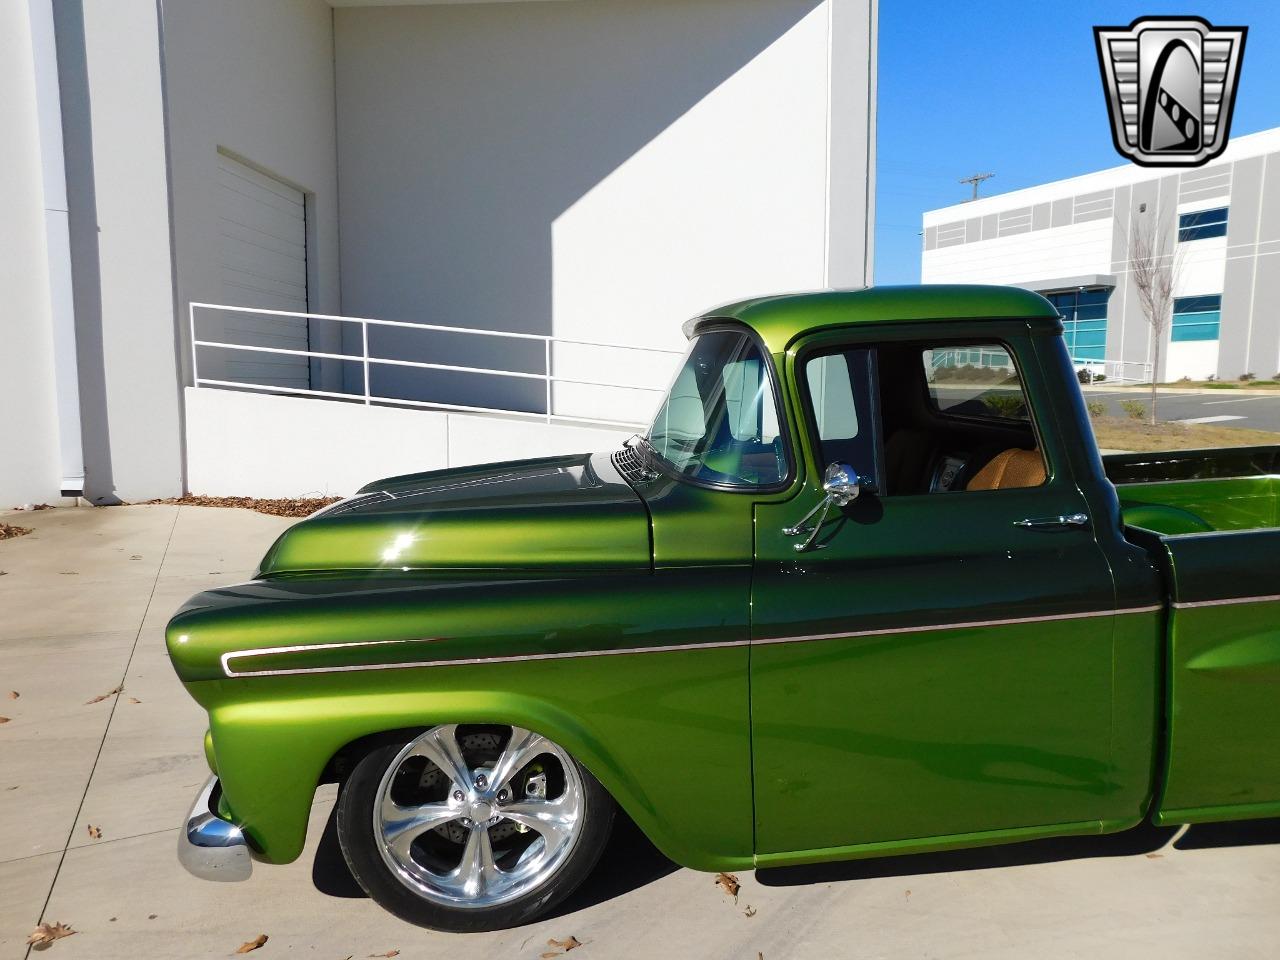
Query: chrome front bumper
[{"x": 208, "y": 846}]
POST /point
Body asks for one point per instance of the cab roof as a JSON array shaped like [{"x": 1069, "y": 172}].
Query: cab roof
[{"x": 779, "y": 320}]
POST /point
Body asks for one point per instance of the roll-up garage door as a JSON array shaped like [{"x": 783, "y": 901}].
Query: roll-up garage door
[{"x": 262, "y": 258}]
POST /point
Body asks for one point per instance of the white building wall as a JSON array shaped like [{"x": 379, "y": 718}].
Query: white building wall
[
  {"x": 593, "y": 169},
  {"x": 247, "y": 444},
  {"x": 255, "y": 81},
  {"x": 1068, "y": 251},
  {"x": 118, "y": 196},
  {"x": 29, "y": 456}
]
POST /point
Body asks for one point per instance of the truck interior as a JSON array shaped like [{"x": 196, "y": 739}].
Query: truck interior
[{"x": 954, "y": 418}]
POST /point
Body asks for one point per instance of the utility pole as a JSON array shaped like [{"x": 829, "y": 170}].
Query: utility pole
[{"x": 976, "y": 179}]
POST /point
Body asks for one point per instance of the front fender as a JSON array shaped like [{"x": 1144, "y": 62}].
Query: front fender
[
  {"x": 664, "y": 726},
  {"x": 665, "y": 733}
]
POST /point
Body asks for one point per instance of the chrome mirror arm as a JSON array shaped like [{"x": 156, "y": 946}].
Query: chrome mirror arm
[
  {"x": 842, "y": 485},
  {"x": 799, "y": 529}
]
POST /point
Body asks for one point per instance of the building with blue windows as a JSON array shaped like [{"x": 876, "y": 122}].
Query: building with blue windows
[{"x": 1070, "y": 239}]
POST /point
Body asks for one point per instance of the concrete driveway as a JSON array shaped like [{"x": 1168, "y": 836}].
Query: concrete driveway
[{"x": 83, "y": 602}]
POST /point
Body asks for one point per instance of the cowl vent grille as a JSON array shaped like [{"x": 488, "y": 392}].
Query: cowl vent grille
[{"x": 630, "y": 465}]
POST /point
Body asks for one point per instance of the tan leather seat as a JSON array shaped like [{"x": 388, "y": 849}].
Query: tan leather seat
[{"x": 1010, "y": 468}]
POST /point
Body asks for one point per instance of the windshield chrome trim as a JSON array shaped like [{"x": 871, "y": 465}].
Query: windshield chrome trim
[{"x": 667, "y": 469}]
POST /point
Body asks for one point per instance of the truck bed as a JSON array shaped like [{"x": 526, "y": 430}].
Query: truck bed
[{"x": 1210, "y": 520}]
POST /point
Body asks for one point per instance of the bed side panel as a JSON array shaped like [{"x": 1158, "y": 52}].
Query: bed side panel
[{"x": 1224, "y": 678}]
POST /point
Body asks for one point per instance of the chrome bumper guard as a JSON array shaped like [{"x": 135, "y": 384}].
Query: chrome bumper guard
[{"x": 210, "y": 847}]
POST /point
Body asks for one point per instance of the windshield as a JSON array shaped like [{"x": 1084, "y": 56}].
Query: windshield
[{"x": 719, "y": 422}]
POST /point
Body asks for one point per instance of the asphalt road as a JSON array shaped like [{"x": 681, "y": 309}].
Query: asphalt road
[{"x": 1218, "y": 407}]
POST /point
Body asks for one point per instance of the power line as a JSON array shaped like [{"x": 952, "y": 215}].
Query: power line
[{"x": 976, "y": 179}]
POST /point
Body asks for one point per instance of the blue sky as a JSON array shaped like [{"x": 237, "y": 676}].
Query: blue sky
[{"x": 1013, "y": 88}]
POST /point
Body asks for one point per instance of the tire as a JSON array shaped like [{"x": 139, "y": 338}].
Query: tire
[{"x": 470, "y": 828}]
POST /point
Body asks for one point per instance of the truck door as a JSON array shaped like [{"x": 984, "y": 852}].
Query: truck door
[{"x": 938, "y": 662}]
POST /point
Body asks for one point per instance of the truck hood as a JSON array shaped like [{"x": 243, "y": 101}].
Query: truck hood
[{"x": 548, "y": 514}]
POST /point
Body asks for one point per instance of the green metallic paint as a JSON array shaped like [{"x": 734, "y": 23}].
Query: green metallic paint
[
  {"x": 781, "y": 320},
  {"x": 984, "y": 838},
  {"x": 565, "y": 512},
  {"x": 933, "y": 734},
  {"x": 599, "y": 710},
  {"x": 877, "y": 719}
]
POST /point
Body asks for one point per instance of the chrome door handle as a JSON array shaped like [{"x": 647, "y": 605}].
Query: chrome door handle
[{"x": 1054, "y": 523}]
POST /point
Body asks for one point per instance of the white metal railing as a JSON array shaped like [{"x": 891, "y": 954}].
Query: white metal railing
[
  {"x": 547, "y": 376},
  {"x": 1117, "y": 371}
]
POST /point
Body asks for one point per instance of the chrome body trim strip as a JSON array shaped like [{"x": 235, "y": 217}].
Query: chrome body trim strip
[
  {"x": 621, "y": 651},
  {"x": 1226, "y": 602},
  {"x": 884, "y": 631}
]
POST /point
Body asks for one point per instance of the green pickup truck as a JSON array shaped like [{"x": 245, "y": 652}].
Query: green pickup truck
[{"x": 866, "y": 587}]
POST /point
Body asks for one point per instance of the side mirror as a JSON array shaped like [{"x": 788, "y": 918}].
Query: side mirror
[{"x": 842, "y": 484}]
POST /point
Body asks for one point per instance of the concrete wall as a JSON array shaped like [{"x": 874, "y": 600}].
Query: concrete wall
[
  {"x": 594, "y": 169},
  {"x": 245, "y": 444},
  {"x": 118, "y": 215},
  {"x": 254, "y": 80},
  {"x": 29, "y": 458}
]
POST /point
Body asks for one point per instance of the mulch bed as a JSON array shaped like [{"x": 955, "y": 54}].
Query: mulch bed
[{"x": 295, "y": 507}]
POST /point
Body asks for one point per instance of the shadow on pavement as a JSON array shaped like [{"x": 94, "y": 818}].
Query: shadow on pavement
[
  {"x": 1236, "y": 833},
  {"x": 329, "y": 871},
  {"x": 1142, "y": 839},
  {"x": 629, "y": 861}
]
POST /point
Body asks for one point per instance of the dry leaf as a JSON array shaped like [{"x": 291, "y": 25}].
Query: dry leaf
[
  {"x": 750, "y": 911},
  {"x": 1155, "y": 856},
  {"x": 564, "y": 946},
  {"x": 10, "y": 530},
  {"x": 46, "y": 933},
  {"x": 252, "y": 945},
  {"x": 95, "y": 832},
  {"x": 135, "y": 557},
  {"x": 908, "y": 895},
  {"x": 297, "y": 507},
  {"x": 729, "y": 882},
  {"x": 14, "y": 694},
  {"x": 151, "y": 916},
  {"x": 134, "y": 700},
  {"x": 4, "y": 719},
  {"x": 109, "y": 693},
  {"x": 389, "y": 953}
]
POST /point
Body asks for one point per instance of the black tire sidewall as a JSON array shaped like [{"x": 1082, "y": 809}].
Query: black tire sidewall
[{"x": 357, "y": 800}]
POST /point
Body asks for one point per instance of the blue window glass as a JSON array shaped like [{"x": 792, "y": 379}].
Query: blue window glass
[
  {"x": 1084, "y": 321},
  {"x": 1196, "y": 318},
  {"x": 1202, "y": 224}
]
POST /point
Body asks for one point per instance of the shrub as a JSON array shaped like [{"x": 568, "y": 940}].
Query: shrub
[
  {"x": 1007, "y": 405},
  {"x": 1096, "y": 408},
  {"x": 1246, "y": 377},
  {"x": 1135, "y": 409}
]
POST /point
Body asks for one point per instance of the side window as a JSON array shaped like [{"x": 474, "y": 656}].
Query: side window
[
  {"x": 924, "y": 418},
  {"x": 840, "y": 389},
  {"x": 975, "y": 381}
]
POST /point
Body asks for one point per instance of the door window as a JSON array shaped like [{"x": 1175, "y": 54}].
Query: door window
[{"x": 925, "y": 417}]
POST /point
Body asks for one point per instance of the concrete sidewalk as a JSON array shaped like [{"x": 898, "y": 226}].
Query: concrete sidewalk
[{"x": 83, "y": 603}]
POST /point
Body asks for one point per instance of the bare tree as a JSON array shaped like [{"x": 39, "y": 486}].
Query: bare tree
[{"x": 1155, "y": 273}]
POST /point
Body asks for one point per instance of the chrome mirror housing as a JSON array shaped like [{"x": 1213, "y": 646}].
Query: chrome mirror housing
[{"x": 842, "y": 484}]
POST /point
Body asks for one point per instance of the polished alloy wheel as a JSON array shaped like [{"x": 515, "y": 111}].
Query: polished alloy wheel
[{"x": 476, "y": 816}]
